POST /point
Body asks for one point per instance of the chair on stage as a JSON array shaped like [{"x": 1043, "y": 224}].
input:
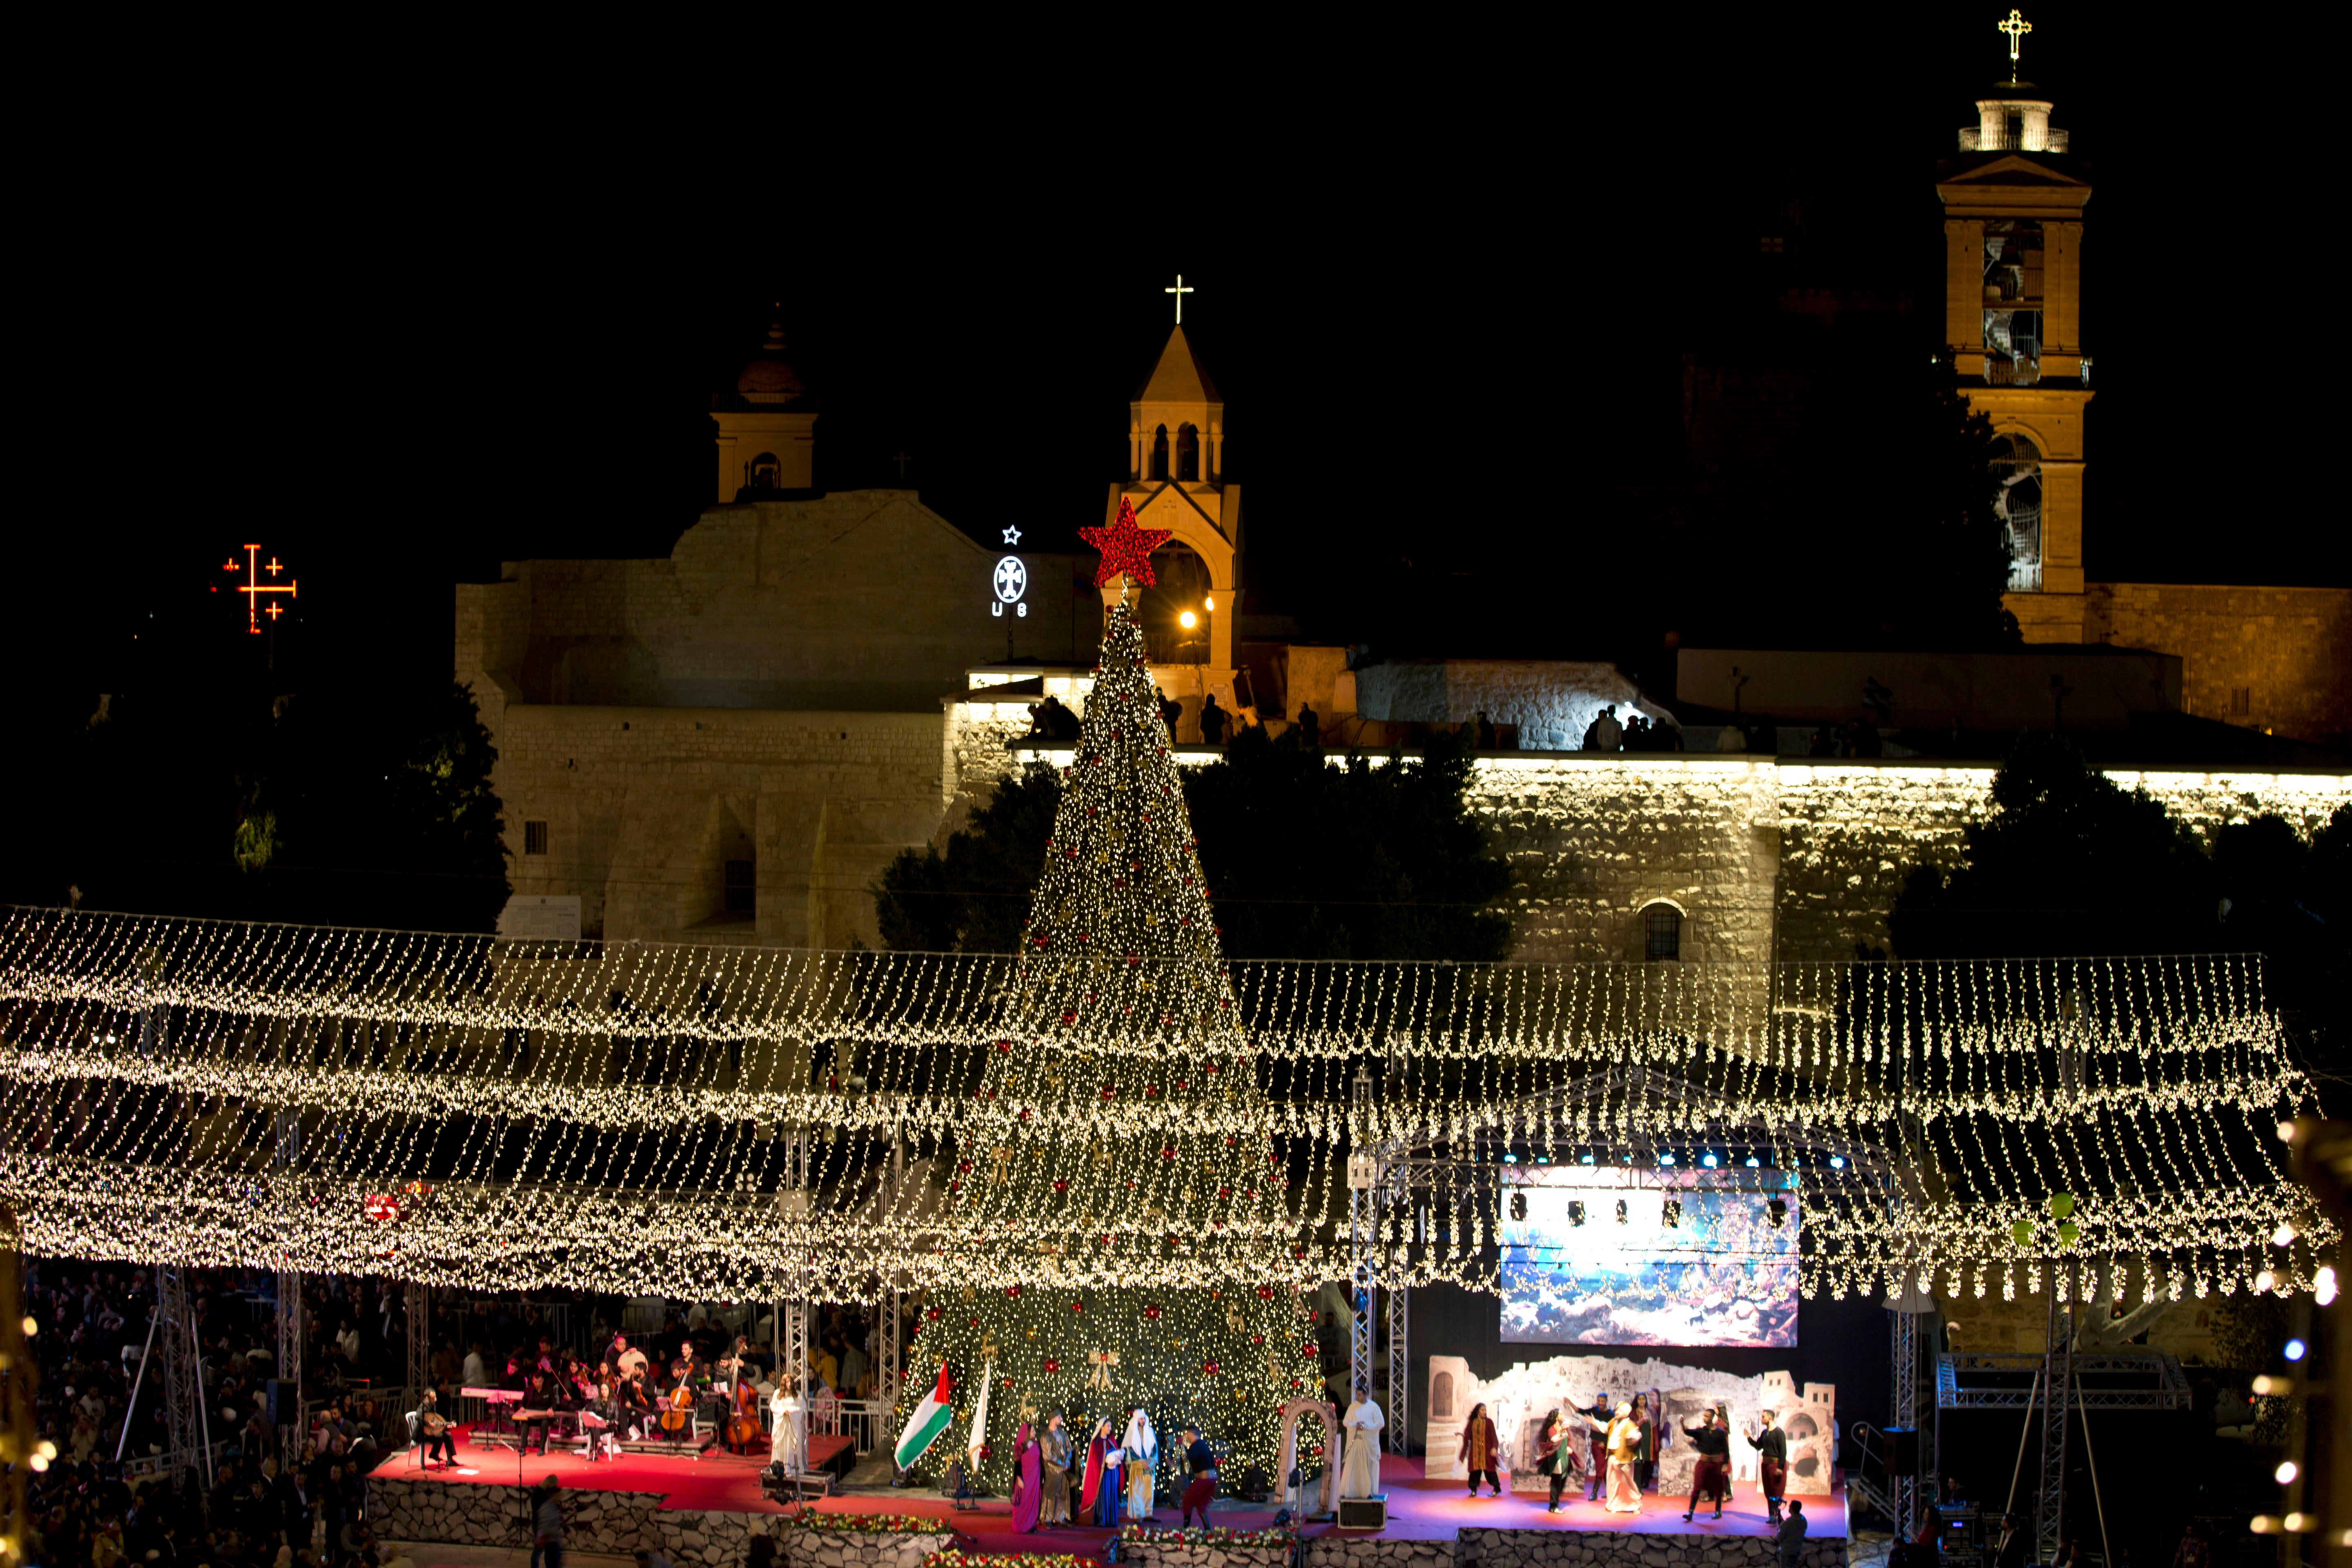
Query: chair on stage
[{"x": 415, "y": 1442}]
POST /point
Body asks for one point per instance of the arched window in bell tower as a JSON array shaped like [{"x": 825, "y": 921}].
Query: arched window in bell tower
[
  {"x": 766, "y": 473},
  {"x": 1188, "y": 453},
  {"x": 1159, "y": 453},
  {"x": 2017, "y": 497}
]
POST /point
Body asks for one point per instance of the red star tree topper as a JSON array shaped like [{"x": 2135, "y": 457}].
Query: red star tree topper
[{"x": 1124, "y": 547}]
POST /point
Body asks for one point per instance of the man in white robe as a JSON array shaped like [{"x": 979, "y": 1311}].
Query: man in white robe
[
  {"x": 1360, "y": 1475},
  {"x": 1141, "y": 1447}
]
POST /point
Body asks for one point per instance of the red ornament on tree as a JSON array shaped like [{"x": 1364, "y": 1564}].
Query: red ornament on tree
[{"x": 1124, "y": 547}]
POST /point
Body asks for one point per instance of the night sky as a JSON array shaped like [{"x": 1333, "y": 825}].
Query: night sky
[{"x": 399, "y": 331}]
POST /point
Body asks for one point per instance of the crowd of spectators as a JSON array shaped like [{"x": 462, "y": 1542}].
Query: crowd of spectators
[{"x": 108, "y": 1499}]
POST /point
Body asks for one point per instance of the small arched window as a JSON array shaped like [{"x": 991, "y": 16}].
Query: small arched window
[
  {"x": 1188, "y": 453},
  {"x": 2017, "y": 497},
  {"x": 1662, "y": 933},
  {"x": 1441, "y": 1397},
  {"x": 766, "y": 472},
  {"x": 1159, "y": 453}
]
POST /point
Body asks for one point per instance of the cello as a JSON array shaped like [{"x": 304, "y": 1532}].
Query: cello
[
  {"x": 677, "y": 1409},
  {"x": 743, "y": 1427}
]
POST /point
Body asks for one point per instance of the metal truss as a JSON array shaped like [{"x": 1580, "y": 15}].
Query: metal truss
[
  {"x": 186, "y": 1423},
  {"x": 2057, "y": 1404},
  {"x": 1397, "y": 1203},
  {"x": 792, "y": 1312},
  {"x": 1904, "y": 1414},
  {"x": 1958, "y": 1386},
  {"x": 420, "y": 1342}
]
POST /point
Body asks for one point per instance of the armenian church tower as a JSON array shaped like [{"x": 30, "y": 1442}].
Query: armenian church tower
[
  {"x": 2013, "y": 203},
  {"x": 1175, "y": 480}
]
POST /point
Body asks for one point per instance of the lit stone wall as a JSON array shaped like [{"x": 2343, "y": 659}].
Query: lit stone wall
[
  {"x": 643, "y": 808},
  {"x": 2286, "y": 648}
]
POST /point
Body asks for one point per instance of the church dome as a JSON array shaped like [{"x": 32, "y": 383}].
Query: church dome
[{"x": 768, "y": 374}]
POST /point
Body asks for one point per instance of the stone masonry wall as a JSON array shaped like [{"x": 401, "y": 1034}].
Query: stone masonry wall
[
  {"x": 1611, "y": 1549},
  {"x": 618, "y": 1523},
  {"x": 2285, "y": 649}
]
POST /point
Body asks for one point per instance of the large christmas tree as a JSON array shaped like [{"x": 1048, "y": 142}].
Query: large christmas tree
[{"x": 1142, "y": 1138}]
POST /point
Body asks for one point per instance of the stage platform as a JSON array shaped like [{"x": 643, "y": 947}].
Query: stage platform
[{"x": 702, "y": 1511}]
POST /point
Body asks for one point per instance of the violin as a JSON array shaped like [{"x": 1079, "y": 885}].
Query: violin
[{"x": 743, "y": 1427}]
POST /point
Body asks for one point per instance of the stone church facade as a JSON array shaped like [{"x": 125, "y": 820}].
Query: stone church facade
[{"x": 728, "y": 745}]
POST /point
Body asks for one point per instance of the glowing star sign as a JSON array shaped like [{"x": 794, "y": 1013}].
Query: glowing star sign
[
  {"x": 1011, "y": 535},
  {"x": 2017, "y": 26},
  {"x": 253, "y": 588},
  {"x": 1124, "y": 547}
]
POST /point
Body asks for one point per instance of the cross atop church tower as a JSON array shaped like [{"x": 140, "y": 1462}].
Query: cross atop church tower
[
  {"x": 1180, "y": 290},
  {"x": 2016, "y": 26}
]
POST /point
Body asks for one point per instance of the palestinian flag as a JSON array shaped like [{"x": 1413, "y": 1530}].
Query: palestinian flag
[{"x": 925, "y": 1423}]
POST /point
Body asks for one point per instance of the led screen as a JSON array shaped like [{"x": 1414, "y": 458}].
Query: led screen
[{"x": 1676, "y": 1260}]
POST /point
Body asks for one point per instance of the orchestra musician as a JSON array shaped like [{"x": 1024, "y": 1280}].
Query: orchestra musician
[
  {"x": 637, "y": 1406},
  {"x": 434, "y": 1428},
  {"x": 536, "y": 1414},
  {"x": 627, "y": 1358}
]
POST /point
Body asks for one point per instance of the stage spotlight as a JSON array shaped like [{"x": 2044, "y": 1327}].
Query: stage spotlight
[
  {"x": 1776, "y": 1211},
  {"x": 1674, "y": 1214},
  {"x": 1518, "y": 1206},
  {"x": 1837, "y": 1161},
  {"x": 1588, "y": 1159},
  {"x": 1575, "y": 1211},
  {"x": 1708, "y": 1161},
  {"x": 1753, "y": 1163},
  {"x": 1665, "y": 1159},
  {"x": 2295, "y": 1350}
]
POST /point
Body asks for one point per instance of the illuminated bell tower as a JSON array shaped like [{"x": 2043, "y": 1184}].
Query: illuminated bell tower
[
  {"x": 2013, "y": 203},
  {"x": 1176, "y": 481},
  {"x": 765, "y": 430}
]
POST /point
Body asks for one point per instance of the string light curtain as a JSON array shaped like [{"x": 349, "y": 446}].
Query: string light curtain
[{"x": 1115, "y": 1107}]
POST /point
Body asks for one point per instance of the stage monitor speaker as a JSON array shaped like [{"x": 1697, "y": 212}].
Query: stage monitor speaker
[
  {"x": 1364, "y": 1512},
  {"x": 1902, "y": 1452},
  {"x": 278, "y": 1396}
]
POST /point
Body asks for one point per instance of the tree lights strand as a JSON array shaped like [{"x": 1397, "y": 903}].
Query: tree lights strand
[{"x": 1114, "y": 1107}]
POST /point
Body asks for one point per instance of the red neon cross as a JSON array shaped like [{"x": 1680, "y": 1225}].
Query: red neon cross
[{"x": 253, "y": 588}]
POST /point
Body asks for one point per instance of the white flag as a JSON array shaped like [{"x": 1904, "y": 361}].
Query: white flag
[{"x": 972, "y": 1443}]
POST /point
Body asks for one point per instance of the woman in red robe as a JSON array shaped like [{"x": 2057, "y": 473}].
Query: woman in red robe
[{"x": 1029, "y": 1482}]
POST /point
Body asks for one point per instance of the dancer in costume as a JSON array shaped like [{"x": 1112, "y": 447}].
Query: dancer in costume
[
  {"x": 1711, "y": 1477},
  {"x": 1773, "y": 1467}
]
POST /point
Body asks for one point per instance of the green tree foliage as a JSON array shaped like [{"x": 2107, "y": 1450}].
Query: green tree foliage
[
  {"x": 2065, "y": 864},
  {"x": 974, "y": 898},
  {"x": 2069, "y": 864},
  {"x": 1307, "y": 860},
  {"x": 376, "y": 810},
  {"x": 1357, "y": 861},
  {"x": 1934, "y": 561}
]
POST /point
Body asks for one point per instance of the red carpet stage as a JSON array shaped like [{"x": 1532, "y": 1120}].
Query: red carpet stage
[{"x": 1419, "y": 1509}]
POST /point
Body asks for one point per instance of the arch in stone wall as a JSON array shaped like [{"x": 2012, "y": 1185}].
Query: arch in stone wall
[{"x": 1323, "y": 1497}]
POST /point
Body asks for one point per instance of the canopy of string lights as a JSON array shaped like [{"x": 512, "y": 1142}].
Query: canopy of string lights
[
  {"x": 721, "y": 1122},
  {"x": 1116, "y": 1105}
]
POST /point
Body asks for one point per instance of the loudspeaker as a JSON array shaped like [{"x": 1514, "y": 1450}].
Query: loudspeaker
[
  {"x": 1364, "y": 1512},
  {"x": 1902, "y": 1451},
  {"x": 280, "y": 1402}
]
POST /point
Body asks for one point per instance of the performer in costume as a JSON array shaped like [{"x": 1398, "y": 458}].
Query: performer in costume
[
  {"x": 1773, "y": 1467},
  {"x": 1645, "y": 1463},
  {"x": 1624, "y": 1441},
  {"x": 1478, "y": 1449},
  {"x": 1054, "y": 1453},
  {"x": 1142, "y": 1454},
  {"x": 1711, "y": 1477},
  {"x": 1201, "y": 1465},
  {"x": 1556, "y": 1453},
  {"x": 1101, "y": 1497},
  {"x": 1596, "y": 1445},
  {"x": 1359, "y": 1472},
  {"x": 1028, "y": 1482},
  {"x": 786, "y": 1445}
]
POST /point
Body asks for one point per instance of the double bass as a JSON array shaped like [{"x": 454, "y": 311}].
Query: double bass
[{"x": 743, "y": 1427}]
